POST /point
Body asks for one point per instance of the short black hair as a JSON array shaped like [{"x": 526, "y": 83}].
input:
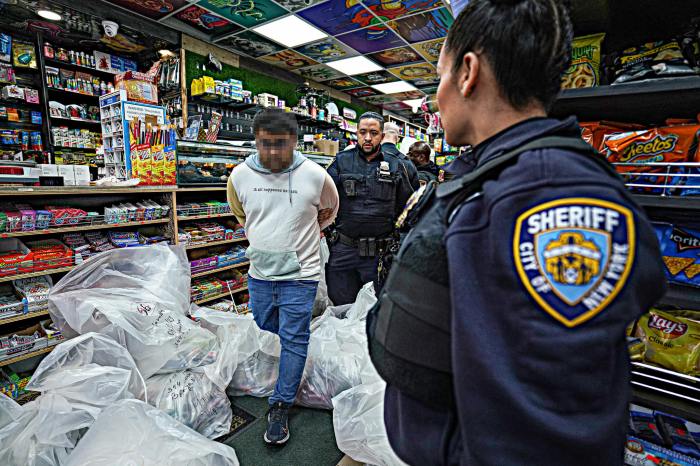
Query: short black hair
[
  {"x": 275, "y": 121},
  {"x": 372, "y": 116},
  {"x": 526, "y": 42},
  {"x": 421, "y": 148}
]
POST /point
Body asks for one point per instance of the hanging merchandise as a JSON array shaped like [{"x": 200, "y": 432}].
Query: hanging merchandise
[
  {"x": 193, "y": 399},
  {"x": 132, "y": 432}
]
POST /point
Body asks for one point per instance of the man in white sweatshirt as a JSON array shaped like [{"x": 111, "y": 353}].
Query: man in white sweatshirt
[{"x": 284, "y": 201}]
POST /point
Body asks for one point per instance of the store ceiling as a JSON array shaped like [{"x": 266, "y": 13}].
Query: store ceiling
[{"x": 402, "y": 37}]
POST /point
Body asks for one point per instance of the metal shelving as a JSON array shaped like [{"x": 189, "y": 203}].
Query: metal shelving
[
  {"x": 84, "y": 228},
  {"x": 9, "y": 278},
  {"x": 216, "y": 243},
  {"x": 18, "y": 318},
  {"x": 221, "y": 295},
  {"x": 27, "y": 356},
  {"x": 220, "y": 269},
  {"x": 201, "y": 217}
]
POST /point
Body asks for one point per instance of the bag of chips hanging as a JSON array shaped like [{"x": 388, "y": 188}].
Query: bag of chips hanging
[
  {"x": 585, "y": 63},
  {"x": 661, "y": 59},
  {"x": 672, "y": 339},
  {"x": 680, "y": 250}
]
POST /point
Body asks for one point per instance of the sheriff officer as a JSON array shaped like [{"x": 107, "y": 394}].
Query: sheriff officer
[
  {"x": 374, "y": 186},
  {"x": 501, "y": 329}
]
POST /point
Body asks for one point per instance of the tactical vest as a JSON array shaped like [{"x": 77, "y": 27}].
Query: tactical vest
[
  {"x": 409, "y": 327},
  {"x": 366, "y": 194}
]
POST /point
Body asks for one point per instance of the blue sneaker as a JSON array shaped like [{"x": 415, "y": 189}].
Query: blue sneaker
[{"x": 277, "y": 432}]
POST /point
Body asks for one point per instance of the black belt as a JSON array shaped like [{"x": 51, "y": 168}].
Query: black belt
[{"x": 368, "y": 247}]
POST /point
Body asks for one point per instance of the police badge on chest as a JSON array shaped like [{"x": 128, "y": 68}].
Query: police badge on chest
[{"x": 574, "y": 255}]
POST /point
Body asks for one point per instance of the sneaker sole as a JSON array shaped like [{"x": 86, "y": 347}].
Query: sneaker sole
[{"x": 278, "y": 443}]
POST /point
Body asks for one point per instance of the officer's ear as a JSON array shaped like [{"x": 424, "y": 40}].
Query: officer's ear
[{"x": 468, "y": 74}]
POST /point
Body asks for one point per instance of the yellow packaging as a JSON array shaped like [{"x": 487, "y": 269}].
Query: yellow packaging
[
  {"x": 585, "y": 63},
  {"x": 169, "y": 166},
  {"x": 197, "y": 87},
  {"x": 671, "y": 339},
  {"x": 144, "y": 164},
  {"x": 157, "y": 165}
]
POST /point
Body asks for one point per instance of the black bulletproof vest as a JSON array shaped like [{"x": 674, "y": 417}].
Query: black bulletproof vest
[
  {"x": 367, "y": 201},
  {"x": 409, "y": 327}
]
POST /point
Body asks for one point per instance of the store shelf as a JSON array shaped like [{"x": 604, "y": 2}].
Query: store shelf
[
  {"x": 650, "y": 101},
  {"x": 30, "y": 315},
  {"x": 56, "y": 89},
  {"x": 684, "y": 409},
  {"x": 17, "y": 102},
  {"x": 27, "y": 356},
  {"x": 201, "y": 217},
  {"x": 91, "y": 149},
  {"x": 219, "y": 100},
  {"x": 59, "y": 63},
  {"x": 216, "y": 243},
  {"x": 78, "y": 120},
  {"x": 202, "y": 189},
  {"x": 9, "y": 278},
  {"x": 686, "y": 297},
  {"x": 74, "y": 190},
  {"x": 84, "y": 228},
  {"x": 220, "y": 269},
  {"x": 668, "y": 202},
  {"x": 666, "y": 390},
  {"x": 221, "y": 295}
]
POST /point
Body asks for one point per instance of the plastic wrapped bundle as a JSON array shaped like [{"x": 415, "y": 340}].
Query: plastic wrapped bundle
[
  {"x": 43, "y": 432},
  {"x": 358, "y": 421},
  {"x": 256, "y": 375},
  {"x": 192, "y": 399},
  {"x": 92, "y": 369},
  {"x": 9, "y": 410},
  {"x": 133, "y": 432},
  {"x": 363, "y": 303}
]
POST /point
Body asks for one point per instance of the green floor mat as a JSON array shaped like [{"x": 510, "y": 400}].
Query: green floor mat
[{"x": 312, "y": 439}]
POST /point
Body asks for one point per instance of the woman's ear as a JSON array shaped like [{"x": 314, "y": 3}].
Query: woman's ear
[{"x": 468, "y": 74}]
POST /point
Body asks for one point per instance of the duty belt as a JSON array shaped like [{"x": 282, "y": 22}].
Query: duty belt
[{"x": 368, "y": 247}]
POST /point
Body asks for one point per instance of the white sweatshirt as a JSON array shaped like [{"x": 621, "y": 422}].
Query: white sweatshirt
[{"x": 280, "y": 215}]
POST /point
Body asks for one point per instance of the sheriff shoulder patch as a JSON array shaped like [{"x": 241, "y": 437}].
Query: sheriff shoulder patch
[{"x": 574, "y": 255}]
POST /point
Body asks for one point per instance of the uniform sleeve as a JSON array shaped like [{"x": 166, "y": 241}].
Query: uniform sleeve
[
  {"x": 333, "y": 172},
  {"x": 329, "y": 200},
  {"x": 408, "y": 184},
  {"x": 235, "y": 202}
]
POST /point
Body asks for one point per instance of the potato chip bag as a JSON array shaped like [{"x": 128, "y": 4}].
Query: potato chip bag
[
  {"x": 585, "y": 63},
  {"x": 636, "y": 149},
  {"x": 672, "y": 339},
  {"x": 651, "y": 60},
  {"x": 680, "y": 251},
  {"x": 593, "y": 132}
]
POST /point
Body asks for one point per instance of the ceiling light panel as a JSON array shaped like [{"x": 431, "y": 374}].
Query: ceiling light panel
[
  {"x": 290, "y": 31},
  {"x": 395, "y": 88},
  {"x": 355, "y": 65}
]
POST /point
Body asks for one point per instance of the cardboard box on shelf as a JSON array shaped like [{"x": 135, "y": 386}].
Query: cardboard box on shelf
[
  {"x": 326, "y": 147},
  {"x": 10, "y": 352}
]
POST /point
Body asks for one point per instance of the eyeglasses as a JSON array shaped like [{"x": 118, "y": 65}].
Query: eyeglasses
[
  {"x": 430, "y": 104},
  {"x": 273, "y": 143}
]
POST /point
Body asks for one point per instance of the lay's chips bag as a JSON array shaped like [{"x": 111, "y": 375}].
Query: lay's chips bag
[
  {"x": 680, "y": 250},
  {"x": 671, "y": 339}
]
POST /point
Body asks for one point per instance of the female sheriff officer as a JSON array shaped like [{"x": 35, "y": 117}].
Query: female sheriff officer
[{"x": 501, "y": 329}]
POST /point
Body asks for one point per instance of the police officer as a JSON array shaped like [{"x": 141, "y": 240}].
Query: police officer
[
  {"x": 419, "y": 153},
  {"x": 501, "y": 328},
  {"x": 391, "y": 139},
  {"x": 374, "y": 186}
]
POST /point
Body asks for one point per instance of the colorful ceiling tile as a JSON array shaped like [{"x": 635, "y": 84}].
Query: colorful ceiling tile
[
  {"x": 422, "y": 27},
  {"x": 288, "y": 59},
  {"x": 206, "y": 21},
  {"x": 388, "y": 10},
  {"x": 429, "y": 90},
  {"x": 399, "y": 56},
  {"x": 344, "y": 83},
  {"x": 326, "y": 50},
  {"x": 376, "y": 77},
  {"x": 247, "y": 13},
  {"x": 155, "y": 9},
  {"x": 429, "y": 80},
  {"x": 410, "y": 95},
  {"x": 339, "y": 16},
  {"x": 396, "y": 106},
  {"x": 413, "y": 72},
  {"x": 249, "y": 43},
  {"x": 430, "y": 50},
  {"x": 377, "y": 99},
  {"x": 296, "y": 5},
  {"x": 319, "y": 73},
  {"x": 362, "y": 92},
  {"x": 372, "y": 39}
]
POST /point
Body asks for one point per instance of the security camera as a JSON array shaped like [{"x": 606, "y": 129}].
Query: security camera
[{"x": 110, "y": 28}]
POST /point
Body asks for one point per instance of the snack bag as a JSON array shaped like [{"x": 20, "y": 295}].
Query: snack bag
[
  {"x": 157, "y": 165},
  {"x": 635, "y": 149},
  {"x": 643, "y": 425},
  {"x": 23, "y": 55},
  {"x": 651, "y": 60},
  {"x": 170, "y": 165},
  {"x": 585, "y": 63},
  {"x": 593, "y": 132},
  {"x": 680, "y": 250},
  {"x": 672, "y": 339},
  {"x": 676, "y": 432}
]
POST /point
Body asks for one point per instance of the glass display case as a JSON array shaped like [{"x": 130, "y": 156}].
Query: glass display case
[{"x": 207, "y": 164}]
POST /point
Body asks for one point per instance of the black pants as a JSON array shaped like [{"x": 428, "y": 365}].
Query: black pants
[{"x": 347, "y": 273}]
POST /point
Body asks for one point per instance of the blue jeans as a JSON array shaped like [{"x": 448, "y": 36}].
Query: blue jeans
[{"x": 284, "y": 308}]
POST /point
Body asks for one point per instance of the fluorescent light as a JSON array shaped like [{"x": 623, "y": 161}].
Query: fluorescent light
[
  {"x": 290, "y": 31},
  {"x": 355, "y": 65},
  {"x": 50, "y": 15},
  {"x": 395, "y": 88}
]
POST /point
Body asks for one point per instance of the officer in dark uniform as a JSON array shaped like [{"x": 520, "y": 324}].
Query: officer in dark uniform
[
  {"x": 374, "y": 186},
  {"x": 501, "y": 328},
  {"x": 419, "y": 153}
]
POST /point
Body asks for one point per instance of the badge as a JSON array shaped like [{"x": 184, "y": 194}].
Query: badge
[
  {"x": 410, "y": 204},
  {"x": 574, "y": 255}
]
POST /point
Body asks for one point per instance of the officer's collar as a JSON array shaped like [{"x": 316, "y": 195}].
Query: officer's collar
[
  {"x": 521, "y": 133},
  {"x": 378, "y": 158}
]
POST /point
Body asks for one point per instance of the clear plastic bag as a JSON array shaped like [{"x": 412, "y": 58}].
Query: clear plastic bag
[
  {"x": 358, "y": 422},
  {"x": 322, "y": 301},
  {"x": 10, "y": 410},
  {"x": 44, "y": 432},
  {"x": 131, "y": 432},
  {"x": 193, "y": 399},
  {"x": 90, "y": 368},
  {"x": 363, "y": 303},
  {"x": 140, "y": 298},
  {"x": 257, "y": 374}
]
